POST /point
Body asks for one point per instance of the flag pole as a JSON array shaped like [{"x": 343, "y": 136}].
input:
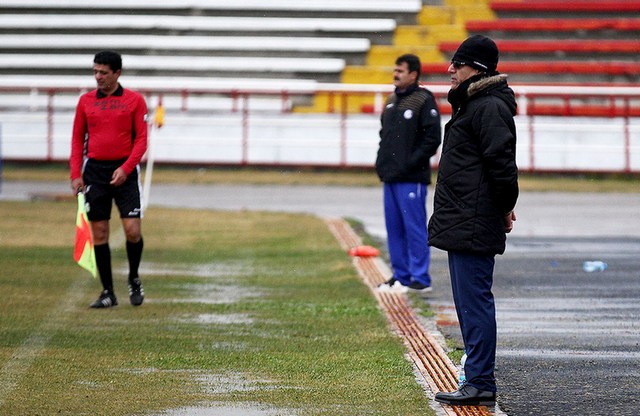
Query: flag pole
[{"x": 158, "y": 121}]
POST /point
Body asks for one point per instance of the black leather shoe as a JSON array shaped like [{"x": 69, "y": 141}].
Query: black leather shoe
[{"x": 467, "y": 396}]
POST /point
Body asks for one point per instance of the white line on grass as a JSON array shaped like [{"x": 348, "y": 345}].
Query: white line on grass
[{"x": 21, "y": 360}]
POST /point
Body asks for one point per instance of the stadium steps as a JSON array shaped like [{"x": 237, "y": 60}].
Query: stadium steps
[
  {"x": 594, "y": 42},
  {"x": 351, "y": 50},
  {"x": 322, "y": 69},
  {"x": 557, "y": 28},
  {"x": 549, "y": 49},
  {"x": 376, "y": 30},
  {"x": 435, "y": 24},
  {"x": 173, "y": 40},
  {"x": 566, "y": 9},
  {"x": 582, "y": 42},
  {"x": 211, "y": 33},
  {"x": 554, "y": 72},
  {"x": 301, "y": 34},
  {"x": 402, "y": 10}
]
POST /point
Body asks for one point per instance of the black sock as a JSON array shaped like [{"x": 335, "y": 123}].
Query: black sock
[
  {"x": 134, "y": 254},
  {"x": 103, "y": 261}
]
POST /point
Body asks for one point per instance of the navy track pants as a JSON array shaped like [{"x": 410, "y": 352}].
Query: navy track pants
[
  {"x": 471, "y": 281},
  {"x": 405, "y": 213}
]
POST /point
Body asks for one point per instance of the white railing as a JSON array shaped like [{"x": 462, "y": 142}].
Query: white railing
[{"x": 570, "y": 129}]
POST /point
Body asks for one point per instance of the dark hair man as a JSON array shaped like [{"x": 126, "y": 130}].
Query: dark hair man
[
  {"x": 409, "y": 136},
  {"x": 108, "y": 141}
]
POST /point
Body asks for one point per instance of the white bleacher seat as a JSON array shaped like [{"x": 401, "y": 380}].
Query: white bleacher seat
[
  {"x": 177, "y": 63},
  {"x": 151, "y": 83},
  {"x": 198, "y": 23},
  {"x": 279, "y": 38},
  {"x": 29, "y": 92},
  {"x": 402, "y": 6},
  {"x": 176, "y": 43},
  {"x": 171, "y": 103}
]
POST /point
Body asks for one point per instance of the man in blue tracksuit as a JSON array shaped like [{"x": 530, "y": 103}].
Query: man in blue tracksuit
[{"x": 410, "y": 135}]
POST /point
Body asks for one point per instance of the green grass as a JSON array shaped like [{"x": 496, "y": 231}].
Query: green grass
[
  {"x": 242, "y": 309},
  {"x": 311, "y": 176}
]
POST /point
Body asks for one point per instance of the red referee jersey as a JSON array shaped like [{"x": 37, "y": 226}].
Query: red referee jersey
[{"x": 112, "y": 127}]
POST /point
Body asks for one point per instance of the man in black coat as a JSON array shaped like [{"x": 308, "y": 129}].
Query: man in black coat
[
  {"x": 409, "y": 136},
  {"x": 475, "y": 195}
]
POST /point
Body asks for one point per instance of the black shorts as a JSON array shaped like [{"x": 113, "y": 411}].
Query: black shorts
[{"x": 99, "y": 194}]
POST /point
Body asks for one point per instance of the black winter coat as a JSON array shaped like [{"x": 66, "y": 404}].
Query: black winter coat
[
  {"x": 477, "y": 183},
  {"x": 411, "y": 133}
]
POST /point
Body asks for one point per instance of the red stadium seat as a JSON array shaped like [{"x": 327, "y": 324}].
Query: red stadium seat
[
  {"x": 555, "y": 45},
  {"x": 550, "y": 67},
  {"x": 573, "y": 41},
  {"x": 599, "y": 6},
  {"x": 554, "y": 25}
]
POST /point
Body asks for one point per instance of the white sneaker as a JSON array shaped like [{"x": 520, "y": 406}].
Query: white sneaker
[{"x": 392, "y": 286}]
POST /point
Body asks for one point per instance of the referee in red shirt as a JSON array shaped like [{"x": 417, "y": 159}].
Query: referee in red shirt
[{"x": 109, "y": 139}]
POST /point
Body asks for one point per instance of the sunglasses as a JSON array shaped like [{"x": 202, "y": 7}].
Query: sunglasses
[{"x": 458, "y": 64}]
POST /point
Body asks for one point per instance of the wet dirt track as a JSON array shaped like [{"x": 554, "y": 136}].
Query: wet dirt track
[{"x": 568, "y": 340}]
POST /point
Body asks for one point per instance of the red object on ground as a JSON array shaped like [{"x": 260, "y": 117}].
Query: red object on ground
[{"x": 364, "y": 251}]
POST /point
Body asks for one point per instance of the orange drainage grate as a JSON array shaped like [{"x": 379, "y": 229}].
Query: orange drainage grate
[{"x": 427, "y": 354}]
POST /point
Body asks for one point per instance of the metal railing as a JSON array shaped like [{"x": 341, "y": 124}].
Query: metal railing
[{"x": 613, "y": 113}]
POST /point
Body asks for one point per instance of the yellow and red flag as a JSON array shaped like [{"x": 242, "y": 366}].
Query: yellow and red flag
[{"x": 83, "y": 252}]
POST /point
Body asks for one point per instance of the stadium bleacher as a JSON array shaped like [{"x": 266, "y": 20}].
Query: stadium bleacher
[
  {"x": 570, "y": 8},
  {"x": 556, "y": 28},
  {"x": 560, "y": 42},
  {"x": 352, "y": 41},
  {"x": 372, "y": 29},
  {"x": 163, "y": 66},
  {"x": 402, "y": 9},
  {"x": 204, "y": 55},
  {"x": 557, "y": 48},
  {"x": 280, "y": 39},
  {"x": 280, "y": 43}
]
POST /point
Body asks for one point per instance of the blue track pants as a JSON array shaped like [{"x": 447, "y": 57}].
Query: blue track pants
[
  {"x": 405, "y": 213},
  {"x": 471, "y": 281}
]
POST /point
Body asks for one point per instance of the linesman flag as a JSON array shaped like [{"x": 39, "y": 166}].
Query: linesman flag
[{"x": 83, "y": 252}]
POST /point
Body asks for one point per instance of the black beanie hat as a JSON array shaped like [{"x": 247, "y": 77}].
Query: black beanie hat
[{"x": 479, "y": 52}]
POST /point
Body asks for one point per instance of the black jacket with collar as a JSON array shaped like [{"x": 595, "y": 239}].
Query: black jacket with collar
[
  {"x": 410, "y": 135},
  {"x": 477, "y": 181}
]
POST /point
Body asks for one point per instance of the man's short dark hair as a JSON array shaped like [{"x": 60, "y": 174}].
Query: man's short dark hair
[
  {"x": 111, "y": 58},
  {"x": 413, "y": 62}
]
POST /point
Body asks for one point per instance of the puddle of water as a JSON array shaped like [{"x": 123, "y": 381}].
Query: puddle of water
[
  {"x": 198, "y": 270},
  {"x": 221, "y": 292},
  {"x": 565, "y": 354},
  {"x": 214, "y": 294},
  {"x": 224, "y": 384},
  {"x": 239, "y": 409},
  {"x": 231, "y": 382},
  {"x": 230, "y": 346},
  {"x": 218, "y": 318}
]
